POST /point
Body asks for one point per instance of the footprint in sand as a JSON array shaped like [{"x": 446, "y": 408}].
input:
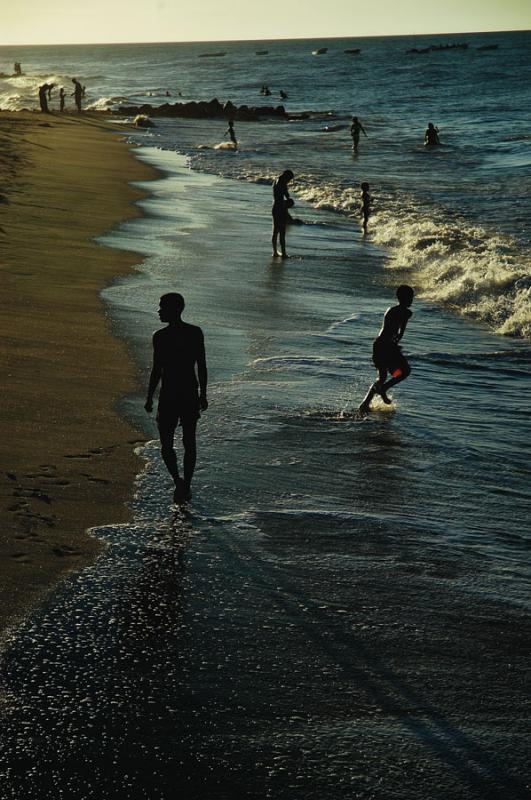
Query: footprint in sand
[
  {"x": 36, "y": 494},
  {"x": 94, "y": 451},
  {"x": 64, "y": 550},
  {"x": 93, "y": 479}
]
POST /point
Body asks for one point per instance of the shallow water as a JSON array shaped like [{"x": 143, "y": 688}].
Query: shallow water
[{"x": 343, "y": 609}]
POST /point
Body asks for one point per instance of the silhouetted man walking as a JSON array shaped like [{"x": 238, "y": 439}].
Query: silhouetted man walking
[{"x": 179, "y": 364}]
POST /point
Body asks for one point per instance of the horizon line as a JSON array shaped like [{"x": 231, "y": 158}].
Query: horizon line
[{"x": 276, "y": 39}]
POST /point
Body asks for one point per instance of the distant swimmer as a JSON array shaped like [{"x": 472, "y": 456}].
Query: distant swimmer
[
  {"x": 432, "y": 134},
  {"x": 179, "y": 364},
  {"x": 78, "y": 92},
  {"x": 283, "y": 95},
  {"x": 387, "y": 355},
  {"x": 230, "y": 133},
  {"x": 44, "y": 95},
  {"x": 355, "y": 129},
  {"x": 279, "y": 211},
  {"x": 366, "y": 201},
  {"x": 62, "y": 96},
  {"x": 265, "y": 90}
]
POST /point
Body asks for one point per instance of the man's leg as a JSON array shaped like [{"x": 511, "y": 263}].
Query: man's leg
[
  {"x": 375, "y": 388},
  {"x": 190, "y": 454},
  {"x": 399, "y": 372},
  {"x": 282, "y": 237},
  {"x": 274, "y": 237},
  {"x": 166, "y": 433}
]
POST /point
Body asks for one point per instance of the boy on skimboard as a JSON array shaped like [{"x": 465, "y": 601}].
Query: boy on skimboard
[{"x": 387, "y": 355}]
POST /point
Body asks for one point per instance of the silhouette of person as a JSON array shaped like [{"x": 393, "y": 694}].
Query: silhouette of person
[
  {"x": 77, "y": 94},
  {"x": 387, "y": 355},
  {"x": 432, "y": 134},
  {"x": 279, "y": 211},
  {"x": 230, "y": 132},
  {"x": 283, "y": 95},
  {"x": 62, "y": 96},
  {"x": 355, "y": 129},
  {"x": 17, "y": 68},
  {"x": 178, "y": 351},
  {"x": 366, "y": 201},
  {"x": 44, "y": 94}
]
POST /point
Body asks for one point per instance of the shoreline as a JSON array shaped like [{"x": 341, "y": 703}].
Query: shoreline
[{"x": 68, "y": 456}]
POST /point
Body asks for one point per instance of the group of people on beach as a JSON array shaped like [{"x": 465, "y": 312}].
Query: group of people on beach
[
  {"x": 179, "y": 366},
  {"x": 179, "y": 361},
  {"x": 45, "y": 94}
]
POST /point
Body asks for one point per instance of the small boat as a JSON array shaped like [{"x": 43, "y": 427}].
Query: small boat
[
  {"x": 488, "y": 47},
  {"x": 319, "y": 51},
  {"x": 353, "y": 51},
  {"x": 212, "y": 55},
  {"x": 261, "y": 52}
]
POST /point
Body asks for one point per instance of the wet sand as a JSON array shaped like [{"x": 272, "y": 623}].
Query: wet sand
[{"x": 67, "y": 457}]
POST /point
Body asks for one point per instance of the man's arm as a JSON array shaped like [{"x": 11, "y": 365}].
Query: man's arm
[
  {"x": 202, "y": 373},
  {"x": 154, "y": 378},
  {"x": 403, "y": 323}
]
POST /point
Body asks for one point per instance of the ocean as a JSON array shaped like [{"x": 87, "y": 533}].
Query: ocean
[
  {"x": 458, "y": 218},
  {"x": 343, "y": 609}
]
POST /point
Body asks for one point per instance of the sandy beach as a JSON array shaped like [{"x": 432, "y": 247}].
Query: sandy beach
[{"x": 68, "y": 460}]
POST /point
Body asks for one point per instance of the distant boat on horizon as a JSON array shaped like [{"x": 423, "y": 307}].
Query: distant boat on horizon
[
  {"x": 261, "y": 52},
  {"x": 353, "y": 51},
  {"x": 212, "y": 55},
  {"x": 319, "y": 51}
]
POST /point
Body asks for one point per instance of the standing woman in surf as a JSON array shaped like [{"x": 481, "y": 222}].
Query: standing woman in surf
[{"x": 280, "y": 212}]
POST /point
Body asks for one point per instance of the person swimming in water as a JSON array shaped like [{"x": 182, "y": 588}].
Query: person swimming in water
[
  {"x": 230, "y": 132},
  {"x": 355, "y": 130},
  {"x": 279, "y": 211},
  {"x": 432, "y": 134},
  {"x": 387, "y": 355},
  {"x": 366, "y": 201}
]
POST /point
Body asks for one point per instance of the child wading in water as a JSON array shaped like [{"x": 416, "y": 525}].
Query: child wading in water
[
  {"x": 386, "y": 352},
  {"x": 366, "y": 201}
]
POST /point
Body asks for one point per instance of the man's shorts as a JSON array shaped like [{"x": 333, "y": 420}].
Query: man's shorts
[
  {"x": 387, "y": 355},
  {"x": 173, "y": 411}
]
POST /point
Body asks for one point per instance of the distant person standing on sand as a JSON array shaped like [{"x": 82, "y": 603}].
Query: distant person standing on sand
[
  {"x": 279, "y": 211},
  {"x": 355, "y": 129},
  {"x": 44, "y": 93},
  {"x": 366, "y": 201},
  {"x": 432, "y": 134},
  {"x": 77, "y": 94},
  {"x": 387, "y": 355},
  {"x": 230, "y": 132},
  {"x": 62, "y": 96},
  {"x": 178, "y": 351}
]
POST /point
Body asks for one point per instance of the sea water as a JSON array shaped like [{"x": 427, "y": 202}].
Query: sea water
[
  {"x": 342, "y": 611},
  {"x": 457, "y": 217}
]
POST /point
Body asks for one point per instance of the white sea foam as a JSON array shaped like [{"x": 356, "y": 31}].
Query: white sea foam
[
  {"x": 477, "y": 272},
  {"x": 467, "y": 267},
  {"x": 22, "y": 91}
]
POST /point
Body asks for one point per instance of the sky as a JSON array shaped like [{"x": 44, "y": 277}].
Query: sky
[{"x": 93, "y": 21}]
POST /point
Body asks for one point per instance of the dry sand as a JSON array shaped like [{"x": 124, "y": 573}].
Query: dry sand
[{"x": 67, "y": 457}]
